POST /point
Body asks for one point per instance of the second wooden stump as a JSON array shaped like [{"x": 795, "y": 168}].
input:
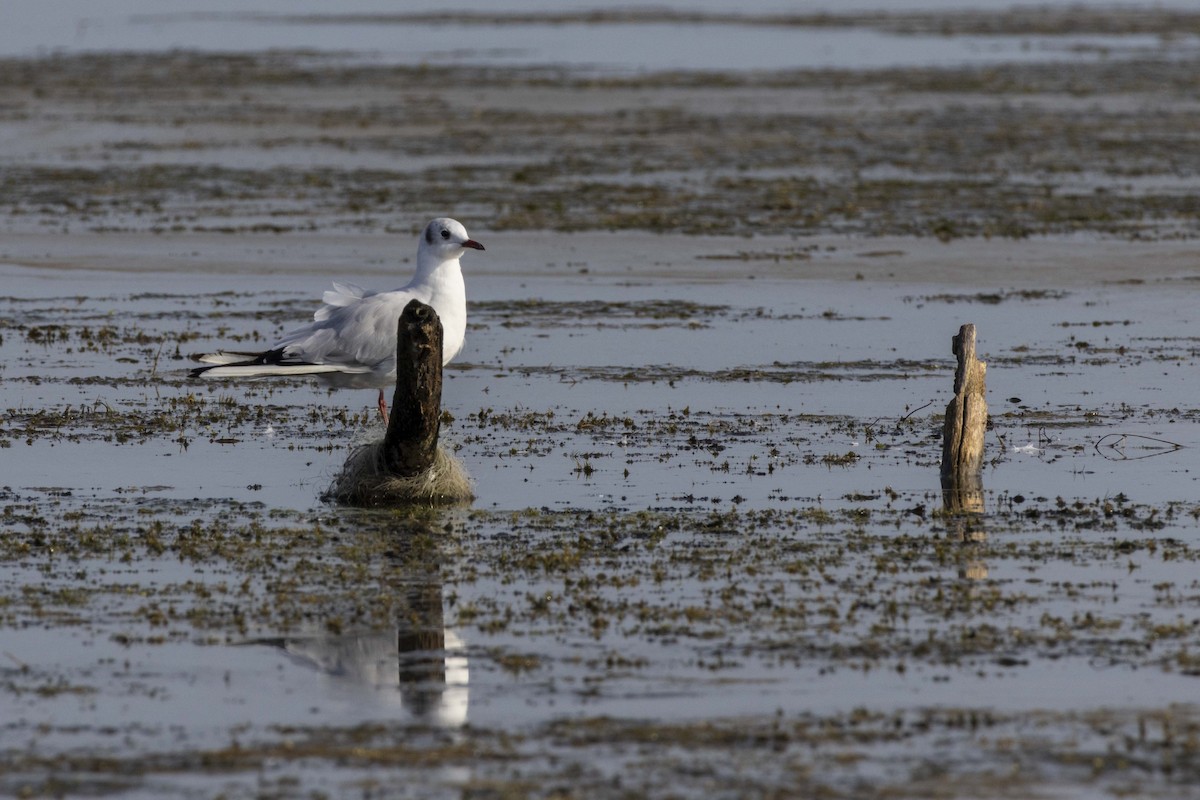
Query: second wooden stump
[
  {"x": 966, "y": 416},
  {"x": 965, "y": 431}
]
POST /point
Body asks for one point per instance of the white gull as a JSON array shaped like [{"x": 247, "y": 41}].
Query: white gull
[{"x": 351, "y": 342}]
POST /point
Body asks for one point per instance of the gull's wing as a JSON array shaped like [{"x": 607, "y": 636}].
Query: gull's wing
[
  {"x": 340, "y": 296},
  {"x": 359, "y": 334}
]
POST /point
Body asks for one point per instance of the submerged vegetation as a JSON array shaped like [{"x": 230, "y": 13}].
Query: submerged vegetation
[{"x": 1009, "y": 151}]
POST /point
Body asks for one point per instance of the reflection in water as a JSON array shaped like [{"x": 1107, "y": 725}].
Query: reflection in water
[
  {"x": 420, "y": 667},
  {"x": 1112, "y": 446},
  {"x": 962, "y": 496},
  {"x": 973, "y": 570},
  {"x": 962, "y": 500}
]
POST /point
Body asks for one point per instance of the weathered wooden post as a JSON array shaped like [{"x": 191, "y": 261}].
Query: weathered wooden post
[
  {"x": 966, "y": 415},
  {"x": 410, "y": 444},
  {"x": 408, "y": 466},
  {"x": 965, "y": 430}
]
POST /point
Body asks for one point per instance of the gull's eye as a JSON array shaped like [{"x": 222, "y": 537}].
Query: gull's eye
[{"x": 445, "y": 234}]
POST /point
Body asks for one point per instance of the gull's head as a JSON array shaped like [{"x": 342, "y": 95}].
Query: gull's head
[{"x": 445, "y": 239}]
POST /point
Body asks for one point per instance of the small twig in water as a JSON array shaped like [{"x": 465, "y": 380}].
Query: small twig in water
[
  {"x": 915, "y": 410},
  {"x": 870, "y": 426},
  {"x": 154, "y": 364}
]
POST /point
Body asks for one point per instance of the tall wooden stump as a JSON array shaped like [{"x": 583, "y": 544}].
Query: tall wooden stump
[
  {"x": 408, "y": 466},
  {"x": 410, "y": 445},
  {"x": 966, "y": 428}
]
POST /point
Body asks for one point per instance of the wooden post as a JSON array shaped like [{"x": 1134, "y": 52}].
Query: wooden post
[
  {"x": 966, "y": 415},
  {"x": 965, "y": 430},
  {"x": 410, "y": 445},
  {"x": 407, "y": 466}
]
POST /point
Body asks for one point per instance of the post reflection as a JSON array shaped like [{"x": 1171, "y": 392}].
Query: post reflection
[
  {"x": 420, "y": 666},
  {"x": 962, "y": 501}
]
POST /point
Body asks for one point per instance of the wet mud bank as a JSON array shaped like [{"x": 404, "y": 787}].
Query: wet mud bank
[{"x": 285, "y": 142}]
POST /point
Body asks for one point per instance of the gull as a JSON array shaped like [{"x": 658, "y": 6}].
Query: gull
[{"x": 351, "y": 342}]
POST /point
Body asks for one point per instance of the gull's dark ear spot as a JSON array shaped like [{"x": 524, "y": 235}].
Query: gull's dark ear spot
[{"x": 428, "y": 234}]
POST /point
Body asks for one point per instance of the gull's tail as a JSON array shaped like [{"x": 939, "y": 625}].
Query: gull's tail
[
  {"x": 230, "y": 364},
  {"x": 229, "y": 357}
]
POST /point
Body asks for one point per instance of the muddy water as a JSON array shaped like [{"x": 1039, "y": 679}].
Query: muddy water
[
  {"x": 700, "y": 399},
  {"x": 707, "y": 496}
]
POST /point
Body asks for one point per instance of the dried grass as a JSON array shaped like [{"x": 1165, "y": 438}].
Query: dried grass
[{"x": 364, "y": 482}]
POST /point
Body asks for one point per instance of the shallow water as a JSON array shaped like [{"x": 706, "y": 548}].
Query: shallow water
[
  {"x": 373, "y": 32},
  {"x": 582, "y": 394},
  {"x": 1067, "y": 368}
]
